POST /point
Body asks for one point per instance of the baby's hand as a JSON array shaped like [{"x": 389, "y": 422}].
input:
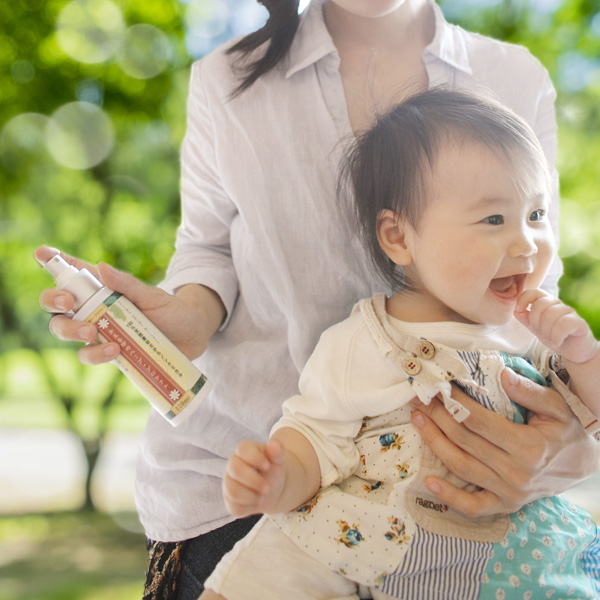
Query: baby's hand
[
  {"x": 254, "y": 478},
  {"x": 556, "y": 325}
]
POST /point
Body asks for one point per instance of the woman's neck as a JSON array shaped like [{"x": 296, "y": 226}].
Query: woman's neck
[
  {"x": 380, "y": 56},
  {"x": 408, "y": 27}
]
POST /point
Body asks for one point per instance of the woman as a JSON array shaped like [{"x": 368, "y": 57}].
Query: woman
[{"x": 265, "y": 262}]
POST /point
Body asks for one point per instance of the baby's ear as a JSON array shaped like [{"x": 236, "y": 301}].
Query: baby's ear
[{"x": 391, "y": 233}]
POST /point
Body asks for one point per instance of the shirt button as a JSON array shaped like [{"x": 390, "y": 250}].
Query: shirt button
[
  {"x": 426, "y": 350},
  {"x": 564, "y": 376},
  {"x": 412, "y": 366}
]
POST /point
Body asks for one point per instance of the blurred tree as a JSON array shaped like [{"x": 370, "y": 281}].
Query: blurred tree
[{"x": 89, "y": 144}]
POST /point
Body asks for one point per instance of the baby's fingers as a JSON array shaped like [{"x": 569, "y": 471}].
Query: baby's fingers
[
  {"x": 275, "y": 452},
  {"x": 528, "y": 297},
  {"x": 546, "y": 316},
  {"x": 243, "y": 487},
  {"x": 239, "y": 493},
  {"x": 239, "y": 500},
  {"x": 567, "y": 325},
  {"x": 247, "y": 466},
  {"x": 553, "y": 322}
]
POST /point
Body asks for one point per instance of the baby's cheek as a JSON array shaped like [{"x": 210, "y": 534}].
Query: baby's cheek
[{"x": 545, "y": 256}]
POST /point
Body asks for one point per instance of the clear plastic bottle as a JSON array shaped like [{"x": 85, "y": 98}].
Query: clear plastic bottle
[{"x": 166, "y": 377}]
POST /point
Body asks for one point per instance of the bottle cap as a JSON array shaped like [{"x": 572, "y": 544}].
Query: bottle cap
[{"x": 82, "y": 285}]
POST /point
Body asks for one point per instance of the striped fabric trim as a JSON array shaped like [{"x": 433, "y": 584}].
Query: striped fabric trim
[
  {"x": 590, "y": 561},
  {"x": 471, "y": 362},
  {"x": 477, "y": 396},
  {"x": 439, "y": 568}
]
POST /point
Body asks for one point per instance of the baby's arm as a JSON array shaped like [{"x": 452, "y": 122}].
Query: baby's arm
[
  {"x": 269, "y": 478},
  {"x": 562, "y": 330}
]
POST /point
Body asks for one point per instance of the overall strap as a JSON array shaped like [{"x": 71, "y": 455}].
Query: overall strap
[{"x": 429, "y": 366}]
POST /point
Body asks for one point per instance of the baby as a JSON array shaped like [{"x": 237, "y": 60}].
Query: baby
[{"x": 451, "y": 195}]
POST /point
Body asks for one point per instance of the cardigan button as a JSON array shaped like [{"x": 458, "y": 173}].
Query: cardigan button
[
  {"x": 426, "y": 350},
  {"x": 412, "y": 366}
]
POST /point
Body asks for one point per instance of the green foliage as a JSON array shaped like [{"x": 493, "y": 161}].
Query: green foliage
[
  {"x": 70, "y": 557},
  {"x": 89, "y": 163},
  {"x": 123, "y": 210}
]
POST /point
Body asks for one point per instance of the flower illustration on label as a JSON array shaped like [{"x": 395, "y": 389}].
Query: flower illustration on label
[
  {"x": 103, "y": 323},
  {"x": 174, "y": 395}
]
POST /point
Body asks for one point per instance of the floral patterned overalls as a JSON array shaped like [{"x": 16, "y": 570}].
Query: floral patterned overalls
[{"x": 383, "y": 529}]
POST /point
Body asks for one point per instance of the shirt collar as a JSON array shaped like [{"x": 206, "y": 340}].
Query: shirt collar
[
  {"x": 312, "y": 41},
  {"x": 448, "y": 42}
]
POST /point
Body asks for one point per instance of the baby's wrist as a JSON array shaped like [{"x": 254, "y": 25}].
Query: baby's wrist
[{"x": 589, "y": 358}]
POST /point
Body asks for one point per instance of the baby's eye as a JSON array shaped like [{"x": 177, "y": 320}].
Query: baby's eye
[
  {"x": 494, "y": 220},
  {"x": 537, "y": 215}
]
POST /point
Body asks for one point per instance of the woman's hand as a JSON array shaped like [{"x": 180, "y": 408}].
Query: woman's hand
[
  {"x": 188, "y": 319},
  {"x": 513, "y": 464}
]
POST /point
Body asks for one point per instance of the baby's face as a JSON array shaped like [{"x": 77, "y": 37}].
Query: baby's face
[{"x": 481, "y": 240}]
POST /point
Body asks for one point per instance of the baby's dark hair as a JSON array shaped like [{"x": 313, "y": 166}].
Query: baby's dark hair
[{"x": 389, "y": 165}]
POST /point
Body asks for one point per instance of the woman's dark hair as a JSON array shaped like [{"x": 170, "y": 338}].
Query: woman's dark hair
[
  {"x": 389, "y": 166},
  {"x": 278, "y": 32}
]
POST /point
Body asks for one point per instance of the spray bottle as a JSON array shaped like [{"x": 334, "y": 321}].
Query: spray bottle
[{"x": 172, "y": 384}]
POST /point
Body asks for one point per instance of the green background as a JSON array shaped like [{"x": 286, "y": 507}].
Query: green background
[{"x": 113, "y": 195}]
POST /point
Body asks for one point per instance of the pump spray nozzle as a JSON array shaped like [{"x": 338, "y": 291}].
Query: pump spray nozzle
[{"x": 82, "y": 285}]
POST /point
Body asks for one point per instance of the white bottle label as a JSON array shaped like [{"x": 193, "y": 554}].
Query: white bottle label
[{"x": 155, "y": 366}]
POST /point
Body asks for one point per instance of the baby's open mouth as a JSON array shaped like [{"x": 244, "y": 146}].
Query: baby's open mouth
[{"x": 508, "y": 288}]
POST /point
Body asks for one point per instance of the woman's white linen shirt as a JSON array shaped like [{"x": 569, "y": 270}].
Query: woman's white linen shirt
[{"x": 262, "y": 226}]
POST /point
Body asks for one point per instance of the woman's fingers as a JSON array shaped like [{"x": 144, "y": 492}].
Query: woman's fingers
[
  {"x": 65, "y": 328},
  {"x": 97, "y": 354},
  {"x": 482, "y": 431},
  {"x": 56, "y": 301},
  {"x": 512, "y": 463},
  {"x": 545, "y": 402},
  {"x": 43, "y": 254},
  {"x": 443, "y": 438},
  {"x": 478, "y": 503}
]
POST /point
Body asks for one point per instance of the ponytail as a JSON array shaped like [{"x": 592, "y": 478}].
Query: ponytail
[{"x": 279, "y": 31}]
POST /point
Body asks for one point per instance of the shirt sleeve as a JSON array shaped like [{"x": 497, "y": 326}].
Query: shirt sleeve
[
  {"x": 322, "y": 411},
  {"x": 202, "y": 248},
  {"x": 551, "y": 366}
]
